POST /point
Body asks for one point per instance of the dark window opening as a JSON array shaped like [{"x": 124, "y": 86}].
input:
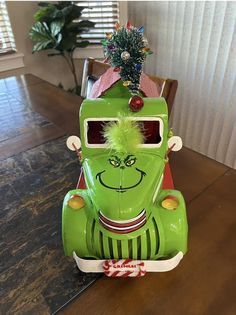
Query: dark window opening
[
  {"x": 95, "y": 131},
  {"x": 150, "y": 130}
]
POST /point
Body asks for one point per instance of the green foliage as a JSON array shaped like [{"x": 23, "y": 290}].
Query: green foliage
[
  {"x": 131, "y": 40},
  {"x": 123, "y": 136},
  {"x": 40, "y": 34},
  {"x": 56, "y": 27},
  {"x": 44, "y": 14}
]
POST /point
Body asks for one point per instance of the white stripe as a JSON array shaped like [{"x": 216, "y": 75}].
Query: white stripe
[
  {"x": 157, "y": 189},
  {"x": 122, "y": 228},
  {"x": 125, "y": 221}
]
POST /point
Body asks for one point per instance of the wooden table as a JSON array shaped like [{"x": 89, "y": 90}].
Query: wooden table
[
  {"x": 35, "y": 175},
  {"x": 204, "y": 282},
  {"x": 26, "y": 94}
]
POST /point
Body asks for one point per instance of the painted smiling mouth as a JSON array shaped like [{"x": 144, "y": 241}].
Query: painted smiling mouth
[{"x": 121, "y": 189}]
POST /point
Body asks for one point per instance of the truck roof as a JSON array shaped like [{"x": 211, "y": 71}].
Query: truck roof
[{"x": 112, "y": 107}]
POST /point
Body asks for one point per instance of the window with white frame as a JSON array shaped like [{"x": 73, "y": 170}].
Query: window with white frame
[
  {"x": 7, "y": 42},
  {"x": 105, "y": 14}
]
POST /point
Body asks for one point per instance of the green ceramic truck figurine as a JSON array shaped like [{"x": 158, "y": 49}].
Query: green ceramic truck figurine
[
  {"x": 125, "y": 217},
  {"x": 124, "y": 213}
]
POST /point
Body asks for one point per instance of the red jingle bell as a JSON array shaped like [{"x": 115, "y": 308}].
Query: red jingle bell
[{"x": 136, "y": 103}]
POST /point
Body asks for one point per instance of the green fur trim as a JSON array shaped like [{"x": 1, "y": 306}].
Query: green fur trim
[{"x": 123, "y": 135}]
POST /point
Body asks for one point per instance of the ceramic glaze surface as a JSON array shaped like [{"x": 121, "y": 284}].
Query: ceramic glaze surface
[{"x": 123, "y": 216}]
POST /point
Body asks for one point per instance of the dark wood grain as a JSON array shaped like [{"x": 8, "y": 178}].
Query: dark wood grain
[
  {"x": 193, "y": 172},
  {"x": 28, "y": 140},
  {"x": 35, "y": 276},
  {"x": 204, "y": 283},
  {"x": 33, "y": 112},
  {"x": 35, "y": 174},
  {"x": 57, "y": 105}
]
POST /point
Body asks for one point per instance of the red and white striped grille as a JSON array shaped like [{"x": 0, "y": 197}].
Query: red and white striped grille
[{"x": 123, "y": 226}]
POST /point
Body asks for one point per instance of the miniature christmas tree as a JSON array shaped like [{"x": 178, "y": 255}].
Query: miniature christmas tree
[{"x": 126, "y": 50}]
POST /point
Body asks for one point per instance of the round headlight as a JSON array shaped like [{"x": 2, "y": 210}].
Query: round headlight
[
  {"x": 170, "y": 203},
  {"x": 76, "y": 202}
]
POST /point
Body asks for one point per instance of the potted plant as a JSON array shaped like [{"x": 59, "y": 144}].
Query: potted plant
[{"x": 57, "y": 27}]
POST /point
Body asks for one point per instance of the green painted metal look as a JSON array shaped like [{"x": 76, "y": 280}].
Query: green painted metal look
[{"x": 120, "y": 187}]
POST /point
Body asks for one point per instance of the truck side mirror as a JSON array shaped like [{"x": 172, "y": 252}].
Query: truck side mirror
[
  {"x": 73, "y": 143},
  {"x": 175, "y": 143}
]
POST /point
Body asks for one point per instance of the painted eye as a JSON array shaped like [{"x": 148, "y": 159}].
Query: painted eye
[
  {"x": 114, "y": 162},
  {"x": 130, "y": 162}
]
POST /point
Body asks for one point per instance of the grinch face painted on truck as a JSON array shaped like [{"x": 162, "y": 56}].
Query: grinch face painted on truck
[{"x": 124, "y": 212}]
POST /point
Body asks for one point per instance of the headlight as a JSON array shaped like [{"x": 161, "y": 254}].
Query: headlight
[
  {"x": 76, "y": 202},
  {"x": 170, "y": 203}
]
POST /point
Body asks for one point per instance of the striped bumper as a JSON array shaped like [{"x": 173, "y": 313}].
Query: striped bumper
[{"x": 127, "y": 267}]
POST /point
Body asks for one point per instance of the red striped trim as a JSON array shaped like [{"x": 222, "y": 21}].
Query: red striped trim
[
  {"x": 115, "y": 273},
  {"x": 81, "y": 182},
  {"x": 127, "y": 261},
  {"x": 116, "y": 224},
  {"x": 127, "y": 274},
  {"x": 141, "y": 273},
  {"x": 106, "y": 265},
  {"x": 123, "y": 231}
]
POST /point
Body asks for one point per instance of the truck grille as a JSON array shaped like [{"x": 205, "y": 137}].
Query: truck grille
[{"x": 145, "y": 246}]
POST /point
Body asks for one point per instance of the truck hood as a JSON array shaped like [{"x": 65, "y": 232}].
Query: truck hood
[{"x": 124, "y": 192}]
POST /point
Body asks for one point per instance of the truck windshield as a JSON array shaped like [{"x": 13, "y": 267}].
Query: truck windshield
[{"x": 152, "y": 129}]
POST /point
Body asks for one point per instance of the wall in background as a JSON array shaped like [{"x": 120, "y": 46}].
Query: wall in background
[
  {"x": 53, "y": 70},
  {"x": 195, "y": 43}
]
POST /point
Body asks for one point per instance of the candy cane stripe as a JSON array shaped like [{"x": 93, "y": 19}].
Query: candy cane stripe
[{"x": 114, "y": 274}]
